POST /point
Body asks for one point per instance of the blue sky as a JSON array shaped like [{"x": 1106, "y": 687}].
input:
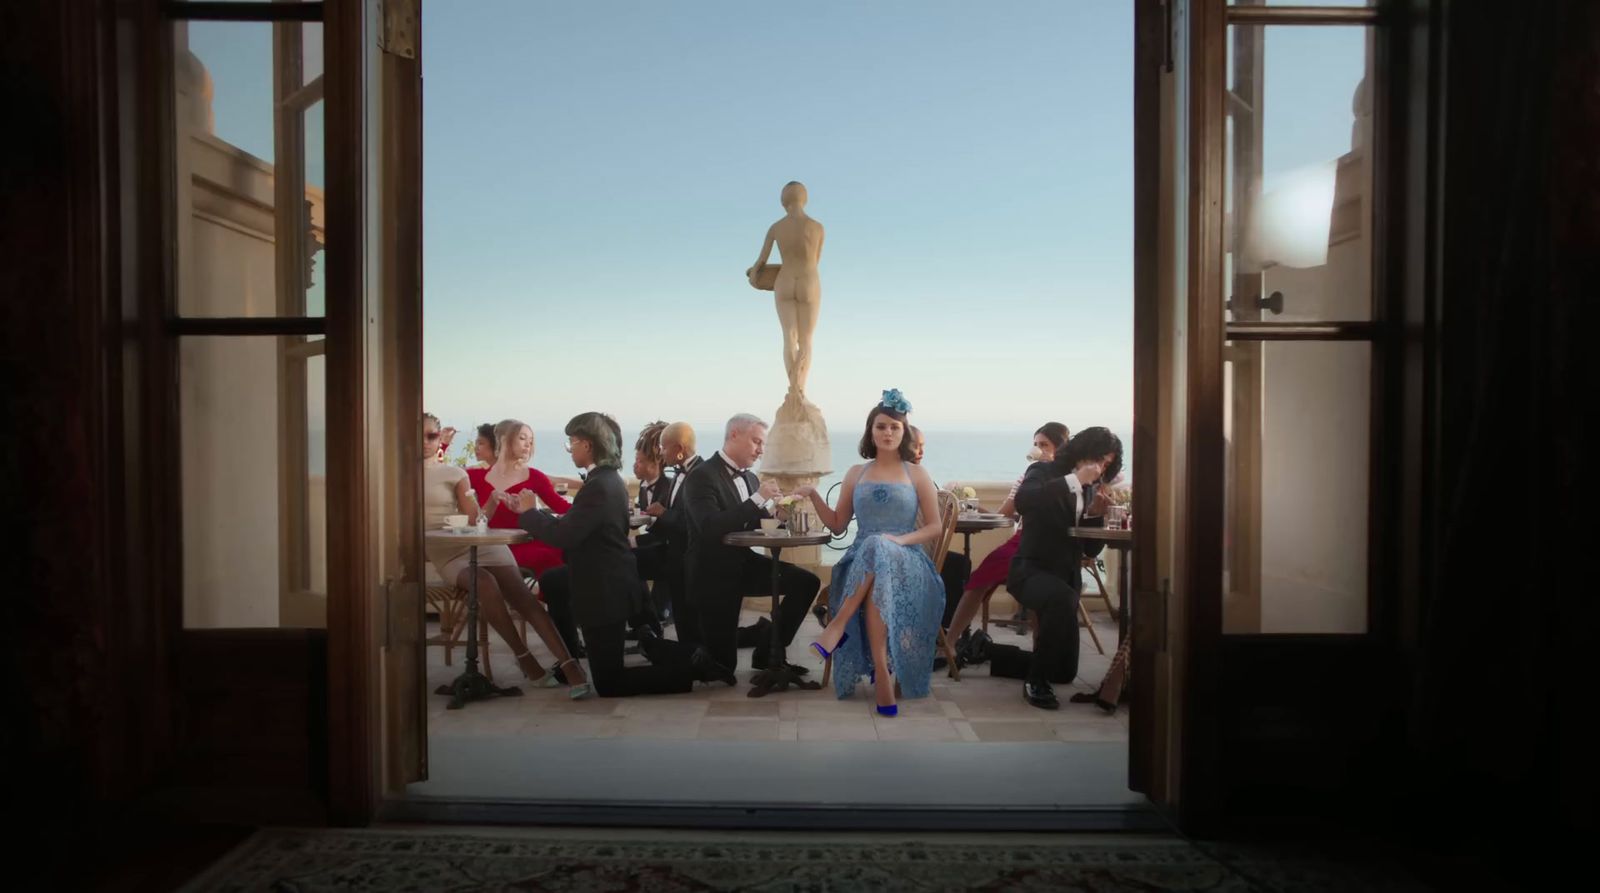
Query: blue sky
[{"x": 599, "y": 174}]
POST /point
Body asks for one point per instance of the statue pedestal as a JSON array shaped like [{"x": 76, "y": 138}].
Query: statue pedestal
[{"x": 797, "y": 454}]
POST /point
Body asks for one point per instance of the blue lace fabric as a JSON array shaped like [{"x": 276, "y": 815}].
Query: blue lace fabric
[{"x": 906, "y": 589}]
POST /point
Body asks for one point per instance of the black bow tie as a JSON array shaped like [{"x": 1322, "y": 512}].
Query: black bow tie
[{"x": 583, "y": 475}]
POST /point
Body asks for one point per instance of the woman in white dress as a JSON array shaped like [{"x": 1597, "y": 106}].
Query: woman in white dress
[{"x": 446, "y": 492}]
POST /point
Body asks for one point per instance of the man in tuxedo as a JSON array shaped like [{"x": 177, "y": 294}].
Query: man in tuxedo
[
  {"x": 723, "y": 496},
  {"x": 650, "y": 547},
  {"x": 1046, "y": 574},
  {"x": 671, "y": 526}
]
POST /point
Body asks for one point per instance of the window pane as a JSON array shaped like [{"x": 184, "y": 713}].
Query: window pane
[
  {"x": 1298, "y": 427},
  {"x": 253, "y": 467},
  {"x": 251, "y": 212},
  {"x": 1299, "y": 171}
]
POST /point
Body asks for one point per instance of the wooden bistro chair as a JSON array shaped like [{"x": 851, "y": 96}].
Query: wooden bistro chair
[
  {"x": 1083, "y": 611},
  {"x": 949, "y": 511},
  {"x": 450, "y": 603}
]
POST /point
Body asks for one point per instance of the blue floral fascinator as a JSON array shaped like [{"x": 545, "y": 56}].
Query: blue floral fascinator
[{"x": 896, "y": 401}]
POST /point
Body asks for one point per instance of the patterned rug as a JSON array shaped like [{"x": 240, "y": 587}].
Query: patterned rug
[{"x": 293, "y": 861}]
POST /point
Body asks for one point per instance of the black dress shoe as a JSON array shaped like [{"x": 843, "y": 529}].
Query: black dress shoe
[
  {"x": 649, "y": 644},
  {"x": 976, "y": 649},
  {"x": 821, "y": 613},
  {"x": 757, "y": 635},
  {"x": 706, "y": 668},
  {"x": 1041, "y": 695},
  {"x": 758, "y": 660}
]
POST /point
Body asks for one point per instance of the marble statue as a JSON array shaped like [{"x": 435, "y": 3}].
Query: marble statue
[
  {"x": 797, "y": 289},
  {"x": 797, "y": 445}
]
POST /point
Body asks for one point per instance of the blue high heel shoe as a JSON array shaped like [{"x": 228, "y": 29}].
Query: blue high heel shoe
[
  {"x": 872, "y": 677},
  {"x": 825, "y": 653}
]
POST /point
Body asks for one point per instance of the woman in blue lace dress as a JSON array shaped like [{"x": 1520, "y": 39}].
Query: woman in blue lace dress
[{"x": 886, "y": 598}]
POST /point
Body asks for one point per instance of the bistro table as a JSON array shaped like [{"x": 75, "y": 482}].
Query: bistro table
[
  {"x": 472, "y": 685},
  {"x": 967, "y": 525},
  {"x": 777, "y": 676},
  {"x": 1122, "y": 542},
  {"x": 1111, "y": 687}
]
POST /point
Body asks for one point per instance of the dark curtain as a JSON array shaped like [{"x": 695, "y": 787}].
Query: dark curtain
[{"x": 1507, "y": 658}]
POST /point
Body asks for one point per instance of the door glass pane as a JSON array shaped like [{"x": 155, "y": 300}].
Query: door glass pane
[
  {"x": 1299, "y": 171},
  {"x": 1297, "y": 418},
  {"x": 253, "y": 463},
  {"x": 248, "y": 152}
]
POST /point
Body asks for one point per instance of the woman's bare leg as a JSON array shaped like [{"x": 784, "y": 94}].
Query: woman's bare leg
[
  {"x": 805, "y": 325},
  {"x": 788, "y": 317},
  {"x": 517, "y": 595},
  {"x": 966, "y": 609},
  {"x": 834, "y": 631},
  {"x": 878, "y": 637},
  {"x": 492, "y": 605}
]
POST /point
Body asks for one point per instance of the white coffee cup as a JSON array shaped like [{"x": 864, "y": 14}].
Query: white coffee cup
[
  {"x": 455, "y": 522},
  {"x": 769, "y": 525}
]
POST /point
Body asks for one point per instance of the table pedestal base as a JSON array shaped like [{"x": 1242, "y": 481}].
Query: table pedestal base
[{"x": 473, "y": 686}]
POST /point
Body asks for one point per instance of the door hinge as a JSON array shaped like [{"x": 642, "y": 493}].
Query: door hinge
[{"x": 398, "y": 35}]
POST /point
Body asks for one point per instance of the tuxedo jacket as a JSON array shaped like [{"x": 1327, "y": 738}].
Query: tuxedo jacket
[
  {"x": 712, "y": 510},
  {"x": 1049, "y": 510},
  {"x": 673, "y": 525},
  {"x": 649, "y": 495},
  {"x": 594, "y": 536}
]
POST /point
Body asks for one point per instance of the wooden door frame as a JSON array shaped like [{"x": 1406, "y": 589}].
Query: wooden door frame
[
  {"x": 352, "y": 730},
  {"x": 377, "y": 695},
  {"x": 1177, "y": 620},
  {"x": 1198, "y": 800}
]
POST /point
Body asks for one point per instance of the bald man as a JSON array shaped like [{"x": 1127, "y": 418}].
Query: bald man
[{"x": 671, "y": 524}]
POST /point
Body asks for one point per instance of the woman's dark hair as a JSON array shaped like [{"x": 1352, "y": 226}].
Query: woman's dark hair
[
  {"x": 603, "y": 435},
  {"x": 1091, "y": 443},
  {"x": 486, "y": 432},
  {"x": 1056, "y": 433},
  {"x": 869, "y": 450}
]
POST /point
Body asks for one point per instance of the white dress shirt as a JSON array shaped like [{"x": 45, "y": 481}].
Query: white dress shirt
[{"x": 739, "y": 483}]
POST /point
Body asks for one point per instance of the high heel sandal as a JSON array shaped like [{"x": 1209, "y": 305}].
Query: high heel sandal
[
  {"x": 583, "y": 689},
  {"x": 825, "y": 653},
  {"x": 548, "y": 680},
  {"x": 892, "y": 709}
]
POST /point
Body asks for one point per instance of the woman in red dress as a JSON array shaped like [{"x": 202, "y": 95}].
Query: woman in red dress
[
  {"x": 991, "y": 572},
  {"x": 511, "y": 474}
]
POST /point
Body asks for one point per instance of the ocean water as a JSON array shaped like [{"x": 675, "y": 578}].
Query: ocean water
[{"x": 950, "y": 455}]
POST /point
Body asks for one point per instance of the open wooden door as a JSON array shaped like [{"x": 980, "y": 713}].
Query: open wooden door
[
  {"x": 376, "y": 672},
  {"x": 1177, "y": 388},
  {"x": 1262, "y": 354}
]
